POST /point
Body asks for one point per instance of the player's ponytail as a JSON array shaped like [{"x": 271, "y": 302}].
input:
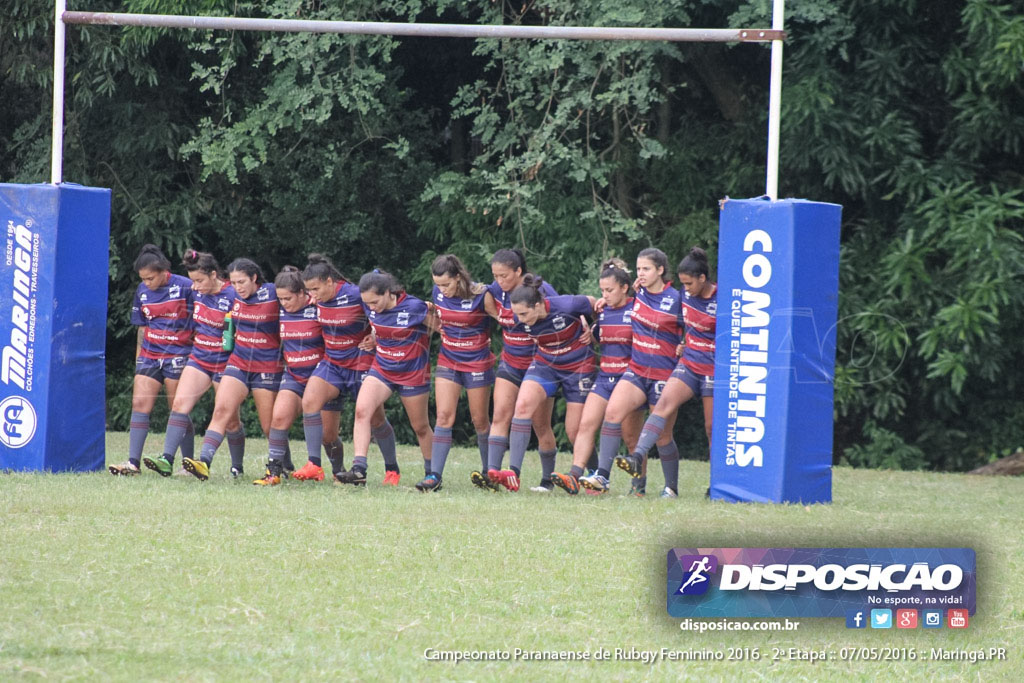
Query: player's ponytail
[
  {"x": 290, "y": 279},
  {"x": 200, "y": 261},
  {"x": 379, "y": 282},
  {"x": 151, "y": 258},
  {"x": 658, "y": 258},
  {"x": 694, "y": 264},
  {"x": 248, "y": 267},
  {"x": 319, "y": 267},
  {"x": 529, "y": 291}
]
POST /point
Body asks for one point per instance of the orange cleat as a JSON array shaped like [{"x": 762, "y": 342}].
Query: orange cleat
[
  {"x": 309, "y": 472},
  {"x": 392, "y": 478}
]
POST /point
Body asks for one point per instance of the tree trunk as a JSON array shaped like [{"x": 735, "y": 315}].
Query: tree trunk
[{"x": 1010, "y": 466}]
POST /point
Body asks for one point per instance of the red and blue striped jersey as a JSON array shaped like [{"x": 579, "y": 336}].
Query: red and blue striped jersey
[
  {"x": 403, "y": 345},
  {"x": 698, "y": 316},
  {"x": 614, "y": 332},
  {"x": 465, "y": 333},
  {"x": 519, "y": 346},
  {"x": 166, "y": 315},
  {"x": 302, "y": 341},
  {"x": 208, "y": 315},
  {"x": 257, "y": 337},
  {"x": 558, "y": 335},
  {"x": 344, "y": 326},
  {"x": 656, "y": 333}
]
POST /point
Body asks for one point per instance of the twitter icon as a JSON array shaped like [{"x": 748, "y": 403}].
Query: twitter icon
[{"x": 881, "y": 618}]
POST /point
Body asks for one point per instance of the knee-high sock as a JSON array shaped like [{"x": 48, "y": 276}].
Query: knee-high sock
[
  {"x": 496, "y": 447},
  {"x": 481, "y": 444},
  {"x": 336, "y": 455},
  {"x": 670, "y": 464},
  {"x": 611, "y": 437},
  {"x": 592, "y": 460},
  {"x": 384, "y": 435},
  {"x": 313, "y": 428},
  {"x": 439, "y": 448},
  {"x": 518, "y": 441},
  {"x": 649, "y": 434},
  {"x": 278, "y": 444},
  {"x": 188, "y": 444},
  {"x": 211, "y": 442},
  {"x": 178, "y": 426},
  {"x": 547, "y": 464},
  {"x": 236, "y": 446},
  {"x": 137, "y": 431}
]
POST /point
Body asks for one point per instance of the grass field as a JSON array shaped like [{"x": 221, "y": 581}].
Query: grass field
[{"x": 151, "y": 578}]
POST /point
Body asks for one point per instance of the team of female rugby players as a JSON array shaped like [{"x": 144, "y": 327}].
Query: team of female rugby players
[{"x": 304, "y": 342}]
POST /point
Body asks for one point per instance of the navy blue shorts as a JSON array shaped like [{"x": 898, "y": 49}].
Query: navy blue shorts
[
  {"x": 575, "y": 385},
  {"x": 400, "y": 388},
  {"x": 510, "y": 374},
  {"x": 215, "y": 376},
  {"x": 700, "y": 385},
  {"x": 254, "y": 380},
  {"x": 161, "y": 368},
  {"x": 468, "y": 380},
  {"x": 605, "y": 384},
  {"x": 651, "y": 387},
  {"x": 289, "y": 383},
  {"x": 345, "y": 380}
]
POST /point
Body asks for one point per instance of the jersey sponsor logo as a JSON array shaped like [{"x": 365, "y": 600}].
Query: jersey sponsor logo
[{"x": 18, "y": 421}]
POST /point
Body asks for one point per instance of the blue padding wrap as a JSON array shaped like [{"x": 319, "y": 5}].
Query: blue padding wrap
[
  {"x": 53, "y": 313},
  {"x": 778, "y": 277}
]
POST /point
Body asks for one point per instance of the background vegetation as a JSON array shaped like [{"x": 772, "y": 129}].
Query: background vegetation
[{"x": 384, "y": 151}]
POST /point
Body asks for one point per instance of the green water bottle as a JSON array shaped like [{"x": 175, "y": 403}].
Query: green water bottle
[{"x": 228, "y": 336}]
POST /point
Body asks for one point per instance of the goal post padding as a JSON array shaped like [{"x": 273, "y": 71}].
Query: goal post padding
[
  {"x": 53, "y": 289},
  {"x": 778, "y": 301}
]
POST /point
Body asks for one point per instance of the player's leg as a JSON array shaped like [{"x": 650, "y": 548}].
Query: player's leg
[
  {"x": 675, "y": 393},
  {"x": 625, "y": 398},
  {"x": 591, "y": 417},
  {"x": 533, "y": 394},
  {"x": 318, "y": 392},
  {"x": 416, "y": 409},
  {"x": 192, "y": 384},
  {"x": 446, "y": 402},
  {"x": 232, "y": 391},
  {"x": 287, "y": 405},
  {"x": 372, "y": 395}
]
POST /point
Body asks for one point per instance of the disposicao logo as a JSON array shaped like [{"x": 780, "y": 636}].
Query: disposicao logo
[
  {"x": 817, "y": 582},
  {"x": 697, "y": 579}
]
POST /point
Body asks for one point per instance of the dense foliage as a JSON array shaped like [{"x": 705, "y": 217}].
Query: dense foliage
[{"x": 383, "y": 151}]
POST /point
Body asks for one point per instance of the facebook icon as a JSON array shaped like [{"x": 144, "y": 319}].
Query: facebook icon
[{"x": 856, "y": 619}]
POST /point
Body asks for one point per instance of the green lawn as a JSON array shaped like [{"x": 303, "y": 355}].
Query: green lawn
[{"x": 143, "y": 578}]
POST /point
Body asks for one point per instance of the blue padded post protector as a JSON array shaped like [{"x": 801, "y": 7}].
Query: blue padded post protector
[
  {"x": 778, "y": 296},
  {"x": 53, "y": 320}
]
